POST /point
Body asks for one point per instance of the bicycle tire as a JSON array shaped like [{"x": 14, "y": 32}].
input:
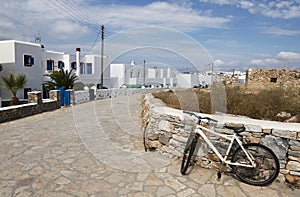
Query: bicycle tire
[
  {"x": 187, "y": 156},
  {"x": 267, "y": 165}
]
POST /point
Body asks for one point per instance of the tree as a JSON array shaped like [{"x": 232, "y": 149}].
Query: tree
[
  {"x": 61, "y": 78},
  {"x": 13, "y": 83}
]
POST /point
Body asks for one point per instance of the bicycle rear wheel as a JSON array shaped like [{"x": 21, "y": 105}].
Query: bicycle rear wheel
[
  {"x": 266, "y": 169},
  {"x": 187, "y": 156}
]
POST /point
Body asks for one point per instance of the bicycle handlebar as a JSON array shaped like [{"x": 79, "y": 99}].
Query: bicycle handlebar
[{"x": 199, "y": 117}]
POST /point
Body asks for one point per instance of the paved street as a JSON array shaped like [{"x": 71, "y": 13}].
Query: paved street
[{"x": 96, "y": 149}]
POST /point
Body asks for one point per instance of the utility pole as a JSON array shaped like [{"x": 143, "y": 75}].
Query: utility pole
[
  {"x": 144, "y": 81},
  {"x": 102, "y": 52},
  {"x": 212, "y": 72}
]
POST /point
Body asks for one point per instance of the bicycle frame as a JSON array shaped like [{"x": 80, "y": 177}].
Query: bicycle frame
[{"x": 231, "y": 138}]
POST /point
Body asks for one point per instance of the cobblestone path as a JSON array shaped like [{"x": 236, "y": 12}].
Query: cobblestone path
[{"x": 96, "y": 149}]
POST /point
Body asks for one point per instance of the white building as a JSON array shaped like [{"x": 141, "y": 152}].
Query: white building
[
  {"x": 189, "y": 80},
  {"x": 22, "y": 58},
  {"x": 34, "y": 61},
  {"x": 131, "y": 74}
]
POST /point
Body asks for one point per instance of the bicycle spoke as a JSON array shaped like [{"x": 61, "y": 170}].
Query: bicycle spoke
[{"x": 266, "y": 165}]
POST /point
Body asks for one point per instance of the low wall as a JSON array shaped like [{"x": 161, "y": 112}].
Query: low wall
[
  {"x": 168, "y": 130},
  {"x": 84, "y": 96},
  {"x": 25, "y": 110},
  {"x": 109, "y": 93}
]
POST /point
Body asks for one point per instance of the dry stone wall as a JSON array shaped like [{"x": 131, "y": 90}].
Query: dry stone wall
[
  {"x": 272, "y": 77},
  {"x": 168, "y": 131}
]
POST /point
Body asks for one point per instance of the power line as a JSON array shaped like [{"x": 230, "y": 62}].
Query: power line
[
  {"x": 72, "y": 6},
  {"x": 72, "y": 11},
  {"x": 33, "y": 29},
  {"x": 69, "y": 12}
]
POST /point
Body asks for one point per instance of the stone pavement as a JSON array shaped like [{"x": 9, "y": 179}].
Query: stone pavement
[{"x": 96, "y": 149}]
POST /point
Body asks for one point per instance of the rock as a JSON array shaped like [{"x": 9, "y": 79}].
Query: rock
[
  {"x": 163, "y": 139},
  {"x": 154, "y": 144},
  {"x": 164, "y": 125},
  {"x": 283, "y": 116},
  {"x": 293, "y": 165},
  {"x": 253, "y": 128},
  {"x": 279, "y": 145},
  {"x": 284, "y": 133},
  {"x": 153, "y": 136},
  {"x": 294, "y": 143},
  {"x": 294, "y": 158},
  {"x": 293, "y": 179},
  {"x": 294, "y": 153},
  {"x": 295, "y": 119}
]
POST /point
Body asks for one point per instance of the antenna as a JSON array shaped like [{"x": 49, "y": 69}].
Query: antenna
[{"x": 38, "y": 38}]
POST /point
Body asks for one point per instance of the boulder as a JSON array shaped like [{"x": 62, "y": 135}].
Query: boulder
[{"x": 295, "y": 119}]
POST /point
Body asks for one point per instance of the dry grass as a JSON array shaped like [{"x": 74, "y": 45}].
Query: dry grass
[{"x": 259, "y": 104}]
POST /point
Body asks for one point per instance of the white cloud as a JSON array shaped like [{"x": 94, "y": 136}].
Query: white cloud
[
  {"x": 266, "y": 62},
  {"x": 64, "y": 28},
  {"x": 282, "y": 59},
  {"x": 54, "y": 19},
  {"x": 246, "y": 4},
  {"x": 218, "y": 62},
  {"x": 291, "y": 56},
  {"x": 280, "y": 31},
  {"x": 159, "y": 14},
  {"x": 256, "y": 62},
  {"x": 285, "y": 9}
]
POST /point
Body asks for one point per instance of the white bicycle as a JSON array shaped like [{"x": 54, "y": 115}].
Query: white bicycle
[{"x": 252, "y": 163}]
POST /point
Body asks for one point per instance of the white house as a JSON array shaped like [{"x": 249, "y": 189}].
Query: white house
[
  {"x": 131, "y": 74},
  {"x": 34, "y": 61},
  {"x": 90, "y": 70},
  {"x": 22, "y": 57},
  {"x": 187, "y": 80}
]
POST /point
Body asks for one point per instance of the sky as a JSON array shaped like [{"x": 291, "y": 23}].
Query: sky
[{"x": 185, "y": 34}]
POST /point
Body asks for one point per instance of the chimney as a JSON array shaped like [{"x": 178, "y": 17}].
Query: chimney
[{"x": 77, "y": 61}]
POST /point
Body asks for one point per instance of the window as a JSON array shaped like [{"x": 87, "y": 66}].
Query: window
[
  {"x": 131, "y": 74},
  {"x": 273, "y": 79},
  {"x": 50, "y": 65},
  {"x": 73, "y": 65},
  {"x": 61, "y": 64},
  {"x": 89, "y": 68},
  {"x": 28, "y": 60},
  {"x": 82, "y": 68}
]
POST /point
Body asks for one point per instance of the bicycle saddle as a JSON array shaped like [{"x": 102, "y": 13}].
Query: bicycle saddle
[{"x": 237, "y": 128}]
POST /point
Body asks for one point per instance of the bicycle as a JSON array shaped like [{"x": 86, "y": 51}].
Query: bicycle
[{"x": 252, "y": 163}]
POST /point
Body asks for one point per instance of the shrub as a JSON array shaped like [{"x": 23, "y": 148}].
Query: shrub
[{"x": 259, "y": 104}]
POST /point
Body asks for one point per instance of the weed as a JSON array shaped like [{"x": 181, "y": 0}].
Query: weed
[{"x": 259, "y": 104}]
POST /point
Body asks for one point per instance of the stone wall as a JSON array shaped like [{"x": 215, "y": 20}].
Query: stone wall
[
  {"x": 109, "y": 93},
  {"x": 25, "y": 110},
  {"x": 272, "y": 77},
  {"x": 168, "y": 130},
  {"x": 83, "y": 96}
]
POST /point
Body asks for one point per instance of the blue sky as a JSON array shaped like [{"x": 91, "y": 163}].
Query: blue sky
[{"x": 180, "y": 33}]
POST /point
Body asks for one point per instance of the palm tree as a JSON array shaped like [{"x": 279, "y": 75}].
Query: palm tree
[
  {"x": 61, "y": 78},
  {"x": 13, "y": 83}
]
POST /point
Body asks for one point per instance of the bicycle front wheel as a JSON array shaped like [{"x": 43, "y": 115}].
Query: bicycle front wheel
[
  {"x": 266, "y": 167},
  {"x": 187, "y": 156}
]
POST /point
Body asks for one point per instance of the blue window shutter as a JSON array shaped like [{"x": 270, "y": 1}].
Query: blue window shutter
[
  {"x": 31, "y": 60},
  {"x": 73, "y": 65}
]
